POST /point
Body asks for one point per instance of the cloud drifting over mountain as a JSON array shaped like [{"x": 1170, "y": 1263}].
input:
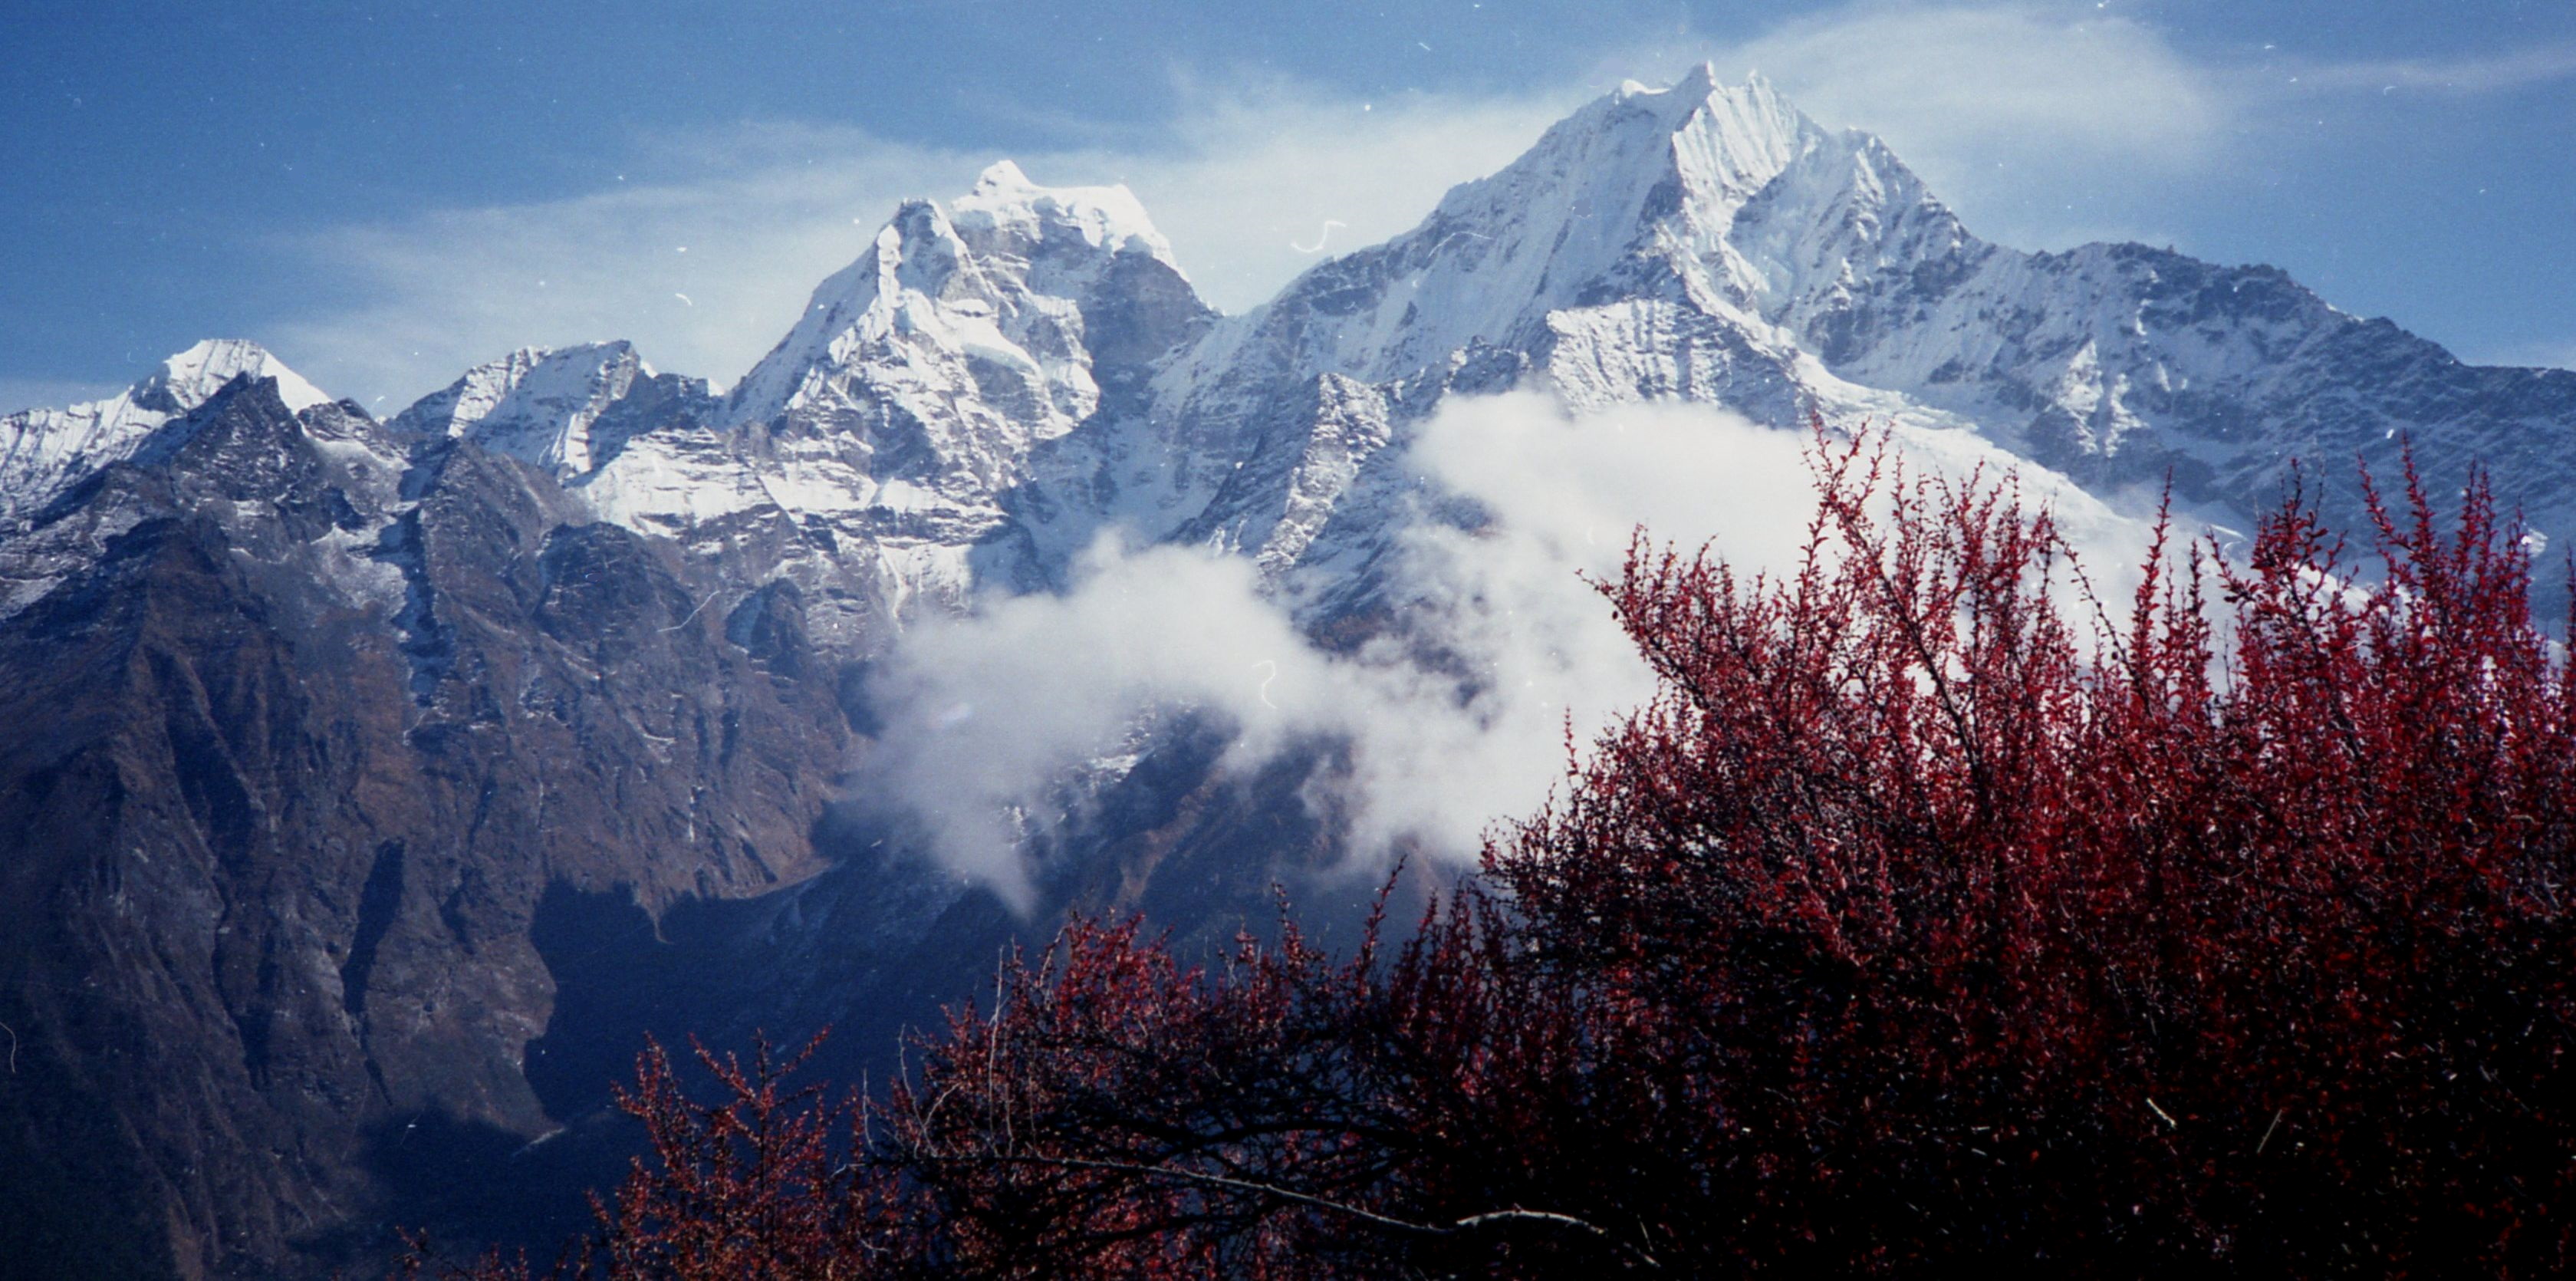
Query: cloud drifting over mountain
[{"x": 989, "y": 717}]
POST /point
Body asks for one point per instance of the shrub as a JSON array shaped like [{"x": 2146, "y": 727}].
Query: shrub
[{"x": 1914, "y": 925}]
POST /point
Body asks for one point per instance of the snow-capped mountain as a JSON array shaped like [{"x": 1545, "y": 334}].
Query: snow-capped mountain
[
  {"x": 45, "y": 451},
  {"x": 568, "y": 411},
  {"x": 997, "y": 379},
  {"x": 1713, "y": 244},
  {"x": 1597, "y": 264},
  {"x": 905, "y": 409},
  {"x": 398, "y": 775}
]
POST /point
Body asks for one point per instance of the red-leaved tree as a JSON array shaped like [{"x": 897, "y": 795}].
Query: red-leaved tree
[{"x": 1915, "y": 925}]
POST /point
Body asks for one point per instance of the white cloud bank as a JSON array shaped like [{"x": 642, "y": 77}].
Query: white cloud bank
[{"x": 987, "y": 717}]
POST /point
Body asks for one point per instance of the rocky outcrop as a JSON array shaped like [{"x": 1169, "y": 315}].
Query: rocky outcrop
[{"x": 297, "y": 754}]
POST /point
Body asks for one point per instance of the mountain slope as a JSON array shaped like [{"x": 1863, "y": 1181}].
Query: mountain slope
[{"x": 303, "y": 744}]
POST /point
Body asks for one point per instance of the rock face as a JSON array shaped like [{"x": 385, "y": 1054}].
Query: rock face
[
  {"x": 306, "y": 728},
  {"x": 372, "y": 788}
]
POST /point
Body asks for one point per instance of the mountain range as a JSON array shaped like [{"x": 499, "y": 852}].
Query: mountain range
[{"x": 373, "y": 787}]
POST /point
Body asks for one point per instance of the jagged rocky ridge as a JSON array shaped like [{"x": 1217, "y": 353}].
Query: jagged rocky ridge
[{"x": 371, "y": 787}]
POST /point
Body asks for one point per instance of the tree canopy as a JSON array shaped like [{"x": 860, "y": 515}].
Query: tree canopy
[{"x": 1921, "y": 921}]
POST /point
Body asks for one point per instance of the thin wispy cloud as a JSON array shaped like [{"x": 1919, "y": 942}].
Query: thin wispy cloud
[
  {"x": 2481, "y": 74},
  {"x": 765, "y": 210},
  {"x": 1251, "y": 183},
  {"x": 2552, "y": 354},
  {"x": 1970, "y": 82},
  {"x": 1253, "y": 178},
  {"x": 2045, "y": 129}
]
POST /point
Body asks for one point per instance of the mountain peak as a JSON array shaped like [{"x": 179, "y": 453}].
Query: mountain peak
[
  {"x": 1739, "y": 137},
  {"x": 1004, "y": 202},
  {"x": 189, "y": 378},
  {"x": 1731, "y": 137},
  {"x": 1695, "y": 85},
  {"x": 996, "y": 279},
  {"x": 1719, "y": 143},
  {"x": 44, "y": 450},
  {"x": 543, "y": 405},
  {"x": 1635, "y": 192}
]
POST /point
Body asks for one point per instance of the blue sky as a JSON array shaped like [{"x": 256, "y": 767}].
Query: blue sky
[{"x": 386, "y": 193}]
